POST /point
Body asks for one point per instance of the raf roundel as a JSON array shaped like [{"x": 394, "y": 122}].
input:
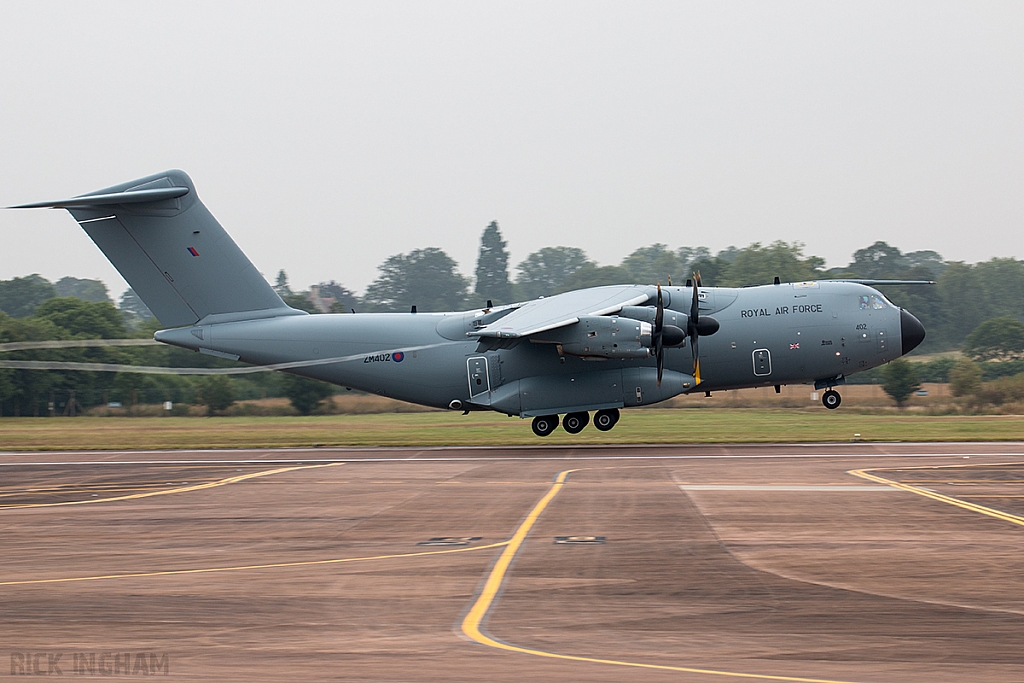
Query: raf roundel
[{"x": 398, "y": 356}]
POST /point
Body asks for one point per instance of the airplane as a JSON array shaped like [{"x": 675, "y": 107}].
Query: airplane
[{"x": 596, "y": 350}]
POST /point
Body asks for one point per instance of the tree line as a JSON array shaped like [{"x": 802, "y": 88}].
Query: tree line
[{"x": 976, "y": 307}]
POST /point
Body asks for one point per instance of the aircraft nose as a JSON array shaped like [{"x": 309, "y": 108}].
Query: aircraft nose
[{"x": 911, "y": 331}]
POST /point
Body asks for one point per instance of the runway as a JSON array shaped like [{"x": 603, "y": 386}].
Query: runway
[{"x": 854, "y": 563}]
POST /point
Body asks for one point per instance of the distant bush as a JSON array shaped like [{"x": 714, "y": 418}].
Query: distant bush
[
  {"x": 965, "y": 378},
  {"x": 1001, "y": 391}
]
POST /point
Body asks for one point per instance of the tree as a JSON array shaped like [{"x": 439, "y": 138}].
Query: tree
[
  {"x": 996, "y": 339},
  {"x": 342, "y": 299},
  {"x": 932, "y": 260},
  {"x": 20, "y": 296},
  {"x": 89, "y": 290},
  {"x": 713, "y": 270},
  {"x": 759, "y": 265},
  {"x": 654, "y": 264},
  {"x": 689, "y": 255},
  {"x": 492, "y": 267},
  {"x": 26, "y": 391},
  {"x": 216, "y": 393},
  {"x": 282, "y": 287},
  {"x": 879, "y": 261},
  {"x": 1003, "y": 282},
  {"x": 592, "y": 275},
  {"x": 900, "y": 381},
  {"x": 425, "y": 278},
  {"x": 546, "y": 270},
  {"x": 84, "y": 319},
  {"x": 305, "y": 394},
  {"x": 963, "y": 301},
  {"x": 133, "y": 307},
  {"x": 965, "y": 378}
]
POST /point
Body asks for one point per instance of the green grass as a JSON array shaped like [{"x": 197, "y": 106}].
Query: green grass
[{"x": 705, "y": 425}]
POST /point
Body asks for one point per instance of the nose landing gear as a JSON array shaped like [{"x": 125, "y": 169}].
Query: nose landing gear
[{"x": 831, "y": 399}]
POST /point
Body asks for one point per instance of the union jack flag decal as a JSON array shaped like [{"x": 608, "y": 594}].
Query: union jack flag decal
[{"x": 794, "y": 346}]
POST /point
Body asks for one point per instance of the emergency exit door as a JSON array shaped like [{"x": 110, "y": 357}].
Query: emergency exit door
[
  {"x": 762, "y": 362},
  {"x": 479, "y": 383}
]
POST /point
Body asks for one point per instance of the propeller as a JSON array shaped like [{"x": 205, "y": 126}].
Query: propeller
[
  {"x": 664, "y": 335},
  {"x": 697, "y": 326},
  {"x": 659, "y": 335}
]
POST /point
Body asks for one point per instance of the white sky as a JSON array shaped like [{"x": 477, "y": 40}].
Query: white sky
[{"x": 327, "y": 136}]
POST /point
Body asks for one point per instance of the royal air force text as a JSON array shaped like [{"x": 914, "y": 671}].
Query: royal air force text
[{"x": 780, "y": 310}]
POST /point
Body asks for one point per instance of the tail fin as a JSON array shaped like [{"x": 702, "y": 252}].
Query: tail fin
[{"x": 173, "y": 252}]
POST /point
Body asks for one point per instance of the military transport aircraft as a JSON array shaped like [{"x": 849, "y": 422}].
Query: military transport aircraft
[{"x": 599, "y": 349}]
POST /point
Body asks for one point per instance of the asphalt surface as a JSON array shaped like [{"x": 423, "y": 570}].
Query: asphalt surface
[{"x": 860, "y": 562}]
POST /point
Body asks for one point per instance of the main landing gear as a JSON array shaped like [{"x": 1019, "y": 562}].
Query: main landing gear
[
  {"x": 575, "y": 422},
  {"x": 544, "y": 424},
  {"x": 831, "y": 399}
]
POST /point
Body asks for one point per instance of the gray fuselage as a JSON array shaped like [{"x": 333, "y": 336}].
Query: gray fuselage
[{"x": 775, "y": 334}]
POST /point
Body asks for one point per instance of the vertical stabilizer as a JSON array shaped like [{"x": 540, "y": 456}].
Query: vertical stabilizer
[{"x": 173, "y": 252}]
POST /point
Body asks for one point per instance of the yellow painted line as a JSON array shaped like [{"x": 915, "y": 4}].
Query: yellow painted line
[
  {"x": 949, "y": 500},
  {"x": 478, "y": 612},
  {"x": 67, "y": 492},
  {"x": 180, "y": 489},
  {"x": 249, "y": 567}
]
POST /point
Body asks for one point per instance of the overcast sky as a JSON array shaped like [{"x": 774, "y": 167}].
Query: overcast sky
[{"x": 327, "y": 136}]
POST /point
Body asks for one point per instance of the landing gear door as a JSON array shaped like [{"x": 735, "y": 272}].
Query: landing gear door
[{"x": 479, "y": 379}]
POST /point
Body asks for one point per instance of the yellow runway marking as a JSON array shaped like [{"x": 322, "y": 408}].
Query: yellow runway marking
[
  {"x": 949, "y": 500},
  {"x": 478, "y": 612},
  {"x": 248, "y": 567},
  {"x": 180, "y": 489}
]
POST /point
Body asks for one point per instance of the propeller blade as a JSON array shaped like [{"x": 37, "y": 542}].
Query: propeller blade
[
  {"x": 659, "y": 315},
  {"x": 659, "y": 328},
  {"x": 661, "y": 362},
  {"x": 693, "y": 324},
  {"x": 696, "y": 354},
  {"x": 695, "y": 303}
]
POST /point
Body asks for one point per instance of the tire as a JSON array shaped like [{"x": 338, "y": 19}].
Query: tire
[
  {"x": 575, "y": 422},
  {"x": 544, "y": 424},
  {"x": 831, "y": 399},
  {"x": 606, "y": 419}
]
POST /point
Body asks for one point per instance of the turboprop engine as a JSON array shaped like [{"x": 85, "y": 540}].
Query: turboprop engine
[{"x": 602, "y": 337}]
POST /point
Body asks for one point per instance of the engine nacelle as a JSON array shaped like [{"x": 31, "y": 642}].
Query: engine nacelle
[{"x": 602, "y": 337}]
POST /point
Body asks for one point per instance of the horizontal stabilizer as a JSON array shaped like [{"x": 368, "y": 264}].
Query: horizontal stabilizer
[{"x": 130, "y": 197}]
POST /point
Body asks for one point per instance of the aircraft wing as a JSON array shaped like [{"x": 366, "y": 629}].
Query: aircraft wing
[{"x": 560, "y": 310}]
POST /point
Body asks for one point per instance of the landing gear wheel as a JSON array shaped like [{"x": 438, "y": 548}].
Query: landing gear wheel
[
  {"x": 544, "y": 424},
  {"x": 831, "y": 399},
  {"x": 575, "y": 422},
  {"x": 606, "y": 419}
]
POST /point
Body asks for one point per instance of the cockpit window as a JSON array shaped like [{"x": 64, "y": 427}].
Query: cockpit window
[{"x": 872, "y": 301}]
